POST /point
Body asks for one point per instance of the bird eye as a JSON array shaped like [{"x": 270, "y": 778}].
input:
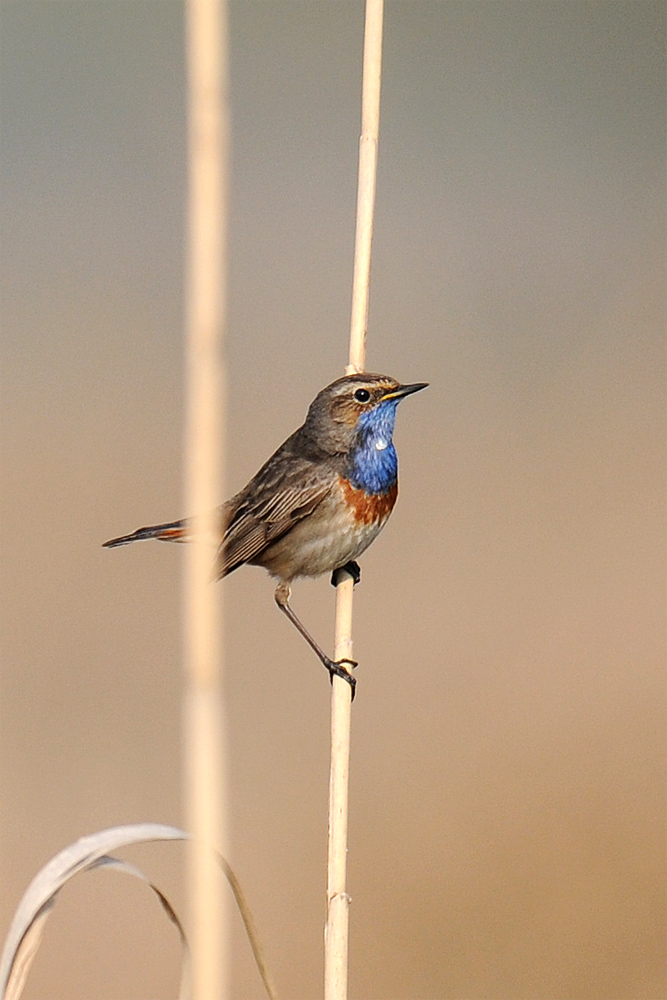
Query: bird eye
[{"x": 362, "y": 395}]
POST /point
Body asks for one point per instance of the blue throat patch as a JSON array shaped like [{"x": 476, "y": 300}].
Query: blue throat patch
[{"x": 373, "y": 461}]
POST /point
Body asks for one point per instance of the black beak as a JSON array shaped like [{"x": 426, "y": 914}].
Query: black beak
[{"x": 405, "y": 390}]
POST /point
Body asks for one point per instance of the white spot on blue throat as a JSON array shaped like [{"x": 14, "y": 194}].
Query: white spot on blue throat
[{"x": 373, "y": 461}]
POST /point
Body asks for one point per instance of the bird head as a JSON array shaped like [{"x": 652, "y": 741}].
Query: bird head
[{"x": 355, "y": 405}]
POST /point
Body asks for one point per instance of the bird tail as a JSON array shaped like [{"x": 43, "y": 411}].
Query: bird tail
[{"x": 176, "y": 531}]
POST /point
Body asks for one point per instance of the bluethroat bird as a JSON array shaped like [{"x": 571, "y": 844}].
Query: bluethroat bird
[{"x": 319, "y": 501}]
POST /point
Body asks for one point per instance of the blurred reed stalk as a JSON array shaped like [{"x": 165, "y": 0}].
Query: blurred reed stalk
[
  {"x": 338, "y": 901},
  {"x": 204, "y": 734}
]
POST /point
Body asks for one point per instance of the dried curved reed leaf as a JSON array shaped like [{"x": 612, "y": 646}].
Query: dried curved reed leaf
[
  {"x": 27, "y": 927},
  {"x": 127, "y": 868},
  {"x": 85, "y": 854}
]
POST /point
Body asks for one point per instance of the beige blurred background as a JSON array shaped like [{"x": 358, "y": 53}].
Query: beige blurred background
[{"x": 507, "y": 835}]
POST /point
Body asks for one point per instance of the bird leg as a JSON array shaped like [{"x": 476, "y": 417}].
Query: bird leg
[
  {"x": 351, "y": 567},
  {"x": 337, "y": 667}
]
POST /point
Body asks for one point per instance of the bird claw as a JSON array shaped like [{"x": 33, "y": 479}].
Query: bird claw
[
  {"x": 351, "y": 567},
  {"x": 336, "y": 667}
]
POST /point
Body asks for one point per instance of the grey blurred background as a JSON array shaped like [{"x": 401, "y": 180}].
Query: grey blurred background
[{"x": 507, "y": 835}]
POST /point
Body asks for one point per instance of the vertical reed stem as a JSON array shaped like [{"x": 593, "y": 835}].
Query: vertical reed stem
[
  {"x": 336, "y": 935},
  {"x": 203, "y": 721}
]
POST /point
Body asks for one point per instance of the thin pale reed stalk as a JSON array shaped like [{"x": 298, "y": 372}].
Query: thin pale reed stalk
[
  {"x": 338, "y": 901},
  {"x": 203, "y": 719}
]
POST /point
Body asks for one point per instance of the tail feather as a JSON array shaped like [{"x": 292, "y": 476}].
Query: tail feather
[{"x": 176, "y": 531}]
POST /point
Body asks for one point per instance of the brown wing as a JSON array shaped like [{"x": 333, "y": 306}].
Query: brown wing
[
  {"x": 288, "y": 487},
  {"x": 258, "y": 521}
]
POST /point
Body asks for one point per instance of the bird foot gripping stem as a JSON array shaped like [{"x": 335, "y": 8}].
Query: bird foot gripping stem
[
  {"x": 336, "y": 667},
  {"x": 352, "y": 567}
]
